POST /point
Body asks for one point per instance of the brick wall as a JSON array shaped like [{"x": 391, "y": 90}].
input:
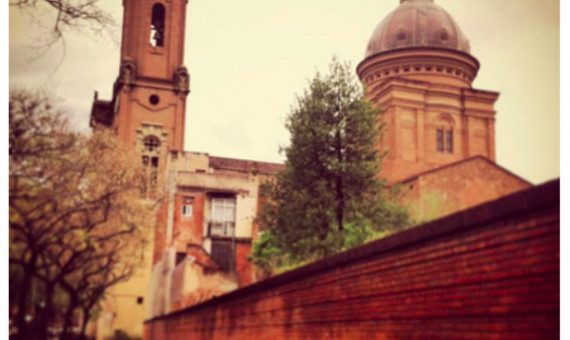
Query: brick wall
[
  {"x": 458, "y": 186},
  {"x": 490, "y": 272}
]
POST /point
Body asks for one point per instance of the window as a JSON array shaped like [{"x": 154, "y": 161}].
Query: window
[
  {"x": 444, "y": 126},
  {"x": 154, "y": 99},
  {"x": 150, "y": 153},
  {"x": 157, "y": 25},
  {"x": 151, "y": 143},
  {"x": 449, "y": 141},
  {"x": 440, "y": 140},
  {"x": 188, "y": 207},
  {"x": 444, "y": 145},
  {"x": 222, "y": 217}
]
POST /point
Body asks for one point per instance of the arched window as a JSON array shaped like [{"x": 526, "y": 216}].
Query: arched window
[
  {"x": 157, "y": 26},
  {"x": 444, "y": 134}
]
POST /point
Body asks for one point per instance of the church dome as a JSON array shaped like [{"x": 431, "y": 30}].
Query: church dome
[{"x": 417, "y": 23}]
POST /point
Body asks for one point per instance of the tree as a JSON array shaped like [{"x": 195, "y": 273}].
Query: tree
[
  {"x": 328, "y": 197},
  {"x": 77, "y": 223}
]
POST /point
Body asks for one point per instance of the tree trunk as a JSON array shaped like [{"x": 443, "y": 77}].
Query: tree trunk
[
  {"x": 339, "y": 185},
  {"x": 84, "y": 323},
  {"x": 22, "y": 301},
  {"x": 68, "y": 321},
  {"x": 47, "y": 313},
  {"x": 340, "y": 204}
]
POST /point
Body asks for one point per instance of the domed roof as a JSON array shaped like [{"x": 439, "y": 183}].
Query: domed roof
[{"x": 417, "y": 23}]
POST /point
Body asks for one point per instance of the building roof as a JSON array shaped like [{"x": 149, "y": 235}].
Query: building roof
[
  {"x": 417, "y": 23},
  {"x": 101, "y": 112},
  {"x": 461, "y": 162},
  {"x": 242, "y": 165}
]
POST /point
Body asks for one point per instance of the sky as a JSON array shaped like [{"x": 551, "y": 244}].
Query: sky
[{"x": 248, "y": 60}]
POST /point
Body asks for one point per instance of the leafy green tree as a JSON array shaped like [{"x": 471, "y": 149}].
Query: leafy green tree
[{"x": 329, "y": 197}]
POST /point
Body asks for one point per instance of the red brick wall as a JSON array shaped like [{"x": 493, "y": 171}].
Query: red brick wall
[
  {"x": 243, "y": 265},
  {"x": 188, "y": 229},
  {"x": 457, "y": 187},
  {"x": 491, "y": 272}
]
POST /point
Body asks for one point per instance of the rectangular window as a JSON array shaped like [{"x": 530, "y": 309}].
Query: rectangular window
[
  {"x": 188, "y": 210},
  {"x": 449, "y": 141},
  {"x": 223, "y": 216},
  {"x": 440, "y": 140}
]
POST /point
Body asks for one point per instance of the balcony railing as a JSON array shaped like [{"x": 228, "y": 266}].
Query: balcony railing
[{"x": 216, "y": 228}]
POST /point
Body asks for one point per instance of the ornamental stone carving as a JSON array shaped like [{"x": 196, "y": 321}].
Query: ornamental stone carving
[
  {"x": 150, "y": 129},
  {"x": 182, "y": 80},
  {"x": 128, "y": 72}
]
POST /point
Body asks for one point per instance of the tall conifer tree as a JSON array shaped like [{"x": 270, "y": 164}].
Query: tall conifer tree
[{"x": 329, "y": 197}]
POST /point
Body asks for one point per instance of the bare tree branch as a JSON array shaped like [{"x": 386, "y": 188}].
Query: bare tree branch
[{"x": 76, "y": 217}]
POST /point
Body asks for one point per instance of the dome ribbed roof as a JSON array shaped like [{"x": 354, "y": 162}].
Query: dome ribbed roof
[{"x": 417, "y": 23}]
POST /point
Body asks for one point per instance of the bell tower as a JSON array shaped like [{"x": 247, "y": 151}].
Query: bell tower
[
  {"x": 150, "y": 93},
  {"x": 148, "y": 108}
]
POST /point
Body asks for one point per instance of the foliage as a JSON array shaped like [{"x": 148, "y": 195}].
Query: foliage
[
  {"x": 77, "y": 224},
  {"x": 329, "y": 197}
]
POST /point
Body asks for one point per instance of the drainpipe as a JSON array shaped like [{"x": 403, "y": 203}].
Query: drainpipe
[{"x": 171, "y": 190}]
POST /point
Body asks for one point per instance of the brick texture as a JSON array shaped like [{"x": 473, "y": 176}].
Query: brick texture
[
  {"x": 490, "y": 272},
  {"x": 458, "y": 186}
]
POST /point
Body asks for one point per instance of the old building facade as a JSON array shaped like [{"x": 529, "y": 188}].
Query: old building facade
[
  {"x": 205, "y": 221},
  {"x": 417, "y": 68}
]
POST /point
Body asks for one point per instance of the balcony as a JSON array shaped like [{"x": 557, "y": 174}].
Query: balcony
[{"x": 221, "y": 229}]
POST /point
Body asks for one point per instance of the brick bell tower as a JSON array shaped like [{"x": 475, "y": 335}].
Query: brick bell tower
[{"x": 148, "y": 107}]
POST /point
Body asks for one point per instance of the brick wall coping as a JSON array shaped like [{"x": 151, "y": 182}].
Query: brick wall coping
[
  {"x": 460, "y": 162},
  {"x": 526, "y": 201}
]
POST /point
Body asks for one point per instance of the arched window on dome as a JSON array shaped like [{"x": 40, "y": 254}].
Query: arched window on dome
[
  {"x": 150, "y": 156},
  {"x": 157, "y": 25},
  {"x": 444, "y": 134}
]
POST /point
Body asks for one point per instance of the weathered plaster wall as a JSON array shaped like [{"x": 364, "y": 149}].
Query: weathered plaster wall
[{"x": 126, "y": 305}]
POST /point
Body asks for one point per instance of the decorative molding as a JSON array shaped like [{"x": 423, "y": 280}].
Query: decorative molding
[{"x": 151, "y": 129}]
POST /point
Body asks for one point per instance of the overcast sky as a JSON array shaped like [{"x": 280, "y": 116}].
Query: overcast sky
[{"x": 248, "y": 59}]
